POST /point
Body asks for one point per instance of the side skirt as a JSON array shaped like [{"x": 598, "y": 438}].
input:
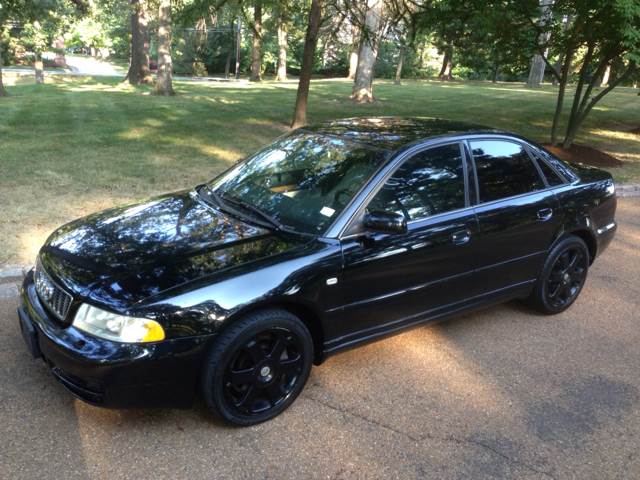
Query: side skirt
[{"x": 439, "y": 314}]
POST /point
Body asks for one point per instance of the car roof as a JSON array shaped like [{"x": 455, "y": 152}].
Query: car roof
[{"x": 393, "y": 133}]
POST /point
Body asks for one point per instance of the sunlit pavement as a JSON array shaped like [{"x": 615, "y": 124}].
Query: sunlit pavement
[
  {"x": 86, "y": 65},
  {"x": 503, "y": 393}
]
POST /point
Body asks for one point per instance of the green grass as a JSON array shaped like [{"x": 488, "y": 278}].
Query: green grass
[{"x": 76, "y": 146}]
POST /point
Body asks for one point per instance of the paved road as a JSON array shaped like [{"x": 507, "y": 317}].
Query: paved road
[
  {"x": 499, "y": 394},
  {"x": 77, "y": 65},
  {"x": 84, "y": 65}
]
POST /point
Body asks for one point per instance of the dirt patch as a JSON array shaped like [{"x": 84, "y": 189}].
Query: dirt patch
[{"x": 586, "y": 155}]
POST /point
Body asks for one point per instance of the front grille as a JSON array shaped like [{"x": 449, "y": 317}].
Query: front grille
[{"x": 54, "y": 298}]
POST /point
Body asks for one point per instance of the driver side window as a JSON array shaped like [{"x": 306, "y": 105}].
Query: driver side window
[{"x": 429, "y": 183}]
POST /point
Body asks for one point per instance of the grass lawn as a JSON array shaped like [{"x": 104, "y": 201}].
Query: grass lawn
[{"x": 79, "y": 145}]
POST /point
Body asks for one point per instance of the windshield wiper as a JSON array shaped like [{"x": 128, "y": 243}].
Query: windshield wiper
[
  {"x": 229, "y": 203},
  {"x": 208, "y": 194},
  {"x": 252, "y": 208}
]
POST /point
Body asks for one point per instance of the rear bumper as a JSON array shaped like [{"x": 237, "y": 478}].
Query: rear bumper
[{"x": 109, "y": 373}]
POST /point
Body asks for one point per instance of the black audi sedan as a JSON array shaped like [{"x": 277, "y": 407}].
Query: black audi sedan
[{"x": 332, "y": 236}]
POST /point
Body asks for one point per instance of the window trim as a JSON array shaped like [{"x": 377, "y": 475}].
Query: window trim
[
  {"x": 541, "y": 174},
  {"x": 567, "y": 172},
  {"x": 400, "y": 160},
  {"x": 525, "y": 147},
  {"x": 539, "y": 159},
  {"x": 336, "y": 231},
  {"x": 471, "y": 173}
]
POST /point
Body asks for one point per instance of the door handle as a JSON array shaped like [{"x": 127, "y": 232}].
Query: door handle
[
  {"x": 545, "y": 214},
  {"x": 461, "y": 237}
]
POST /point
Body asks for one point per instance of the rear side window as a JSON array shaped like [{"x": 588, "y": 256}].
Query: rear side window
[
  {"x": 552, "y": 177},
  {"x": 559, "y": 165},
  {"x": 504, "y": 170},
  {"x": 426, "y": 184}
]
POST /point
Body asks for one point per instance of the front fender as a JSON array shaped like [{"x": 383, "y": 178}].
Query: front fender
[{"x": 205, "y": 308}]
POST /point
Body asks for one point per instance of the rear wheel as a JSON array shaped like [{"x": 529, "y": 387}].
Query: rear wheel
[
  {"x": 257, "y": 367},
  {"x": 563, "y": 276}
]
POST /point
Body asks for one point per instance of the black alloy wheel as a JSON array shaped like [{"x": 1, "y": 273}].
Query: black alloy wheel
[
  {"x": 566, "y": 277},
  {"x": 257, "y": 367},
  {"x": 263, "y": 371},
  {"x": 563, "y": 276}
]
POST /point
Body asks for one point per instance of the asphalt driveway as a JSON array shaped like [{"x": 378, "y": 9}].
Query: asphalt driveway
[{"x": 503, "y": 393}]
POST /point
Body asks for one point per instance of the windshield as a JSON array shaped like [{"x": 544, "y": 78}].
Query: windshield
[{"x": 302, "y": 181}]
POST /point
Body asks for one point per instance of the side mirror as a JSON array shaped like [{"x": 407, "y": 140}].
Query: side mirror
[{"x": 388, "y": 222}]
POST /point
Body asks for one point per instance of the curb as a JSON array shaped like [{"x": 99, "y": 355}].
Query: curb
[
  {"x": 11, "y": 271},
  {"x": 9, "y": 291},
  {"x": 630, "y": 190}
]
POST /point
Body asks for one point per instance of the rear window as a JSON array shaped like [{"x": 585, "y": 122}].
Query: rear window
[
  {"x": 504, "y": 169},
  {"x": 550, "y": 174},
  {"x": 565, "y": 170}
]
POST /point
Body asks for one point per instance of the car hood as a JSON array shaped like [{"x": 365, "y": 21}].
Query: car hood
[{"x": 124, "y": 255}]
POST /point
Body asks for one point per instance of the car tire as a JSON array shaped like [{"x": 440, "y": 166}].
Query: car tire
[
  {"x": 257, "y": 367},
  {"x": 562, "y": 278}
]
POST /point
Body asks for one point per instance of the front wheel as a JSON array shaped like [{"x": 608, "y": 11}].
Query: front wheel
[
  {"x": 563, "y": 276},
  {"x": 257, "y": 367}
]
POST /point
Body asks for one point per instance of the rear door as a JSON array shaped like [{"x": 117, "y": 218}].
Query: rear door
[{"x": 517, "y": 214}]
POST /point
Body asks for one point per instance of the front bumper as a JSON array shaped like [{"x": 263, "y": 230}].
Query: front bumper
[{"x": 109, "y": 373}]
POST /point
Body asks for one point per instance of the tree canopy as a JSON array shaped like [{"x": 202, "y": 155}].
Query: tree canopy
[{"x": 594, "y": 44}]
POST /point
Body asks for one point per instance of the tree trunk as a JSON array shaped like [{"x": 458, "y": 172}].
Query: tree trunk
[
  {"x": 447, "y": 64},
  {"x": 256, "y": 51},
  {"x": 39, "y": 69},
  {"x": 3, "y": 92},
  {"x": 556, "y": 66},
  {"x": 310, "y": 43},
  {"x": 363, "y": 83},
  {"x": 586, "y": 103},
  {"x": 577, "y": 96},
  {"x": 202, "y": 35},
  {"x": 353, "y": 64},
  {"x": 538, "y": 65},
  {"x": 325, "y": 53},
  {"x": 536, "y": 72},
  {"x": 398, "y": 79},
  {"x": 572, "y": 130},
  {"x": 145, "y": 70},
  {"x": 281, "y": 75},
  {"x": 605, "y": 77},
  {"x": 238, "y": 45},
  {"x": 421, "y": 55},
  {"x": 60, "y": 60},
  {"x": 564, "y": 77},
  {"x": 353, "y": 54},
  {"x": 164, "y": 84},
  {"x": 558, "y": 112},
  {"x": 494, "y": 72},
  {"x": 227, "y": 66},
  {"x": 139, "y": 65}
]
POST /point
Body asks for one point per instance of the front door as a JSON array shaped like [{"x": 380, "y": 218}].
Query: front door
[{"x": 393, "y": 280}]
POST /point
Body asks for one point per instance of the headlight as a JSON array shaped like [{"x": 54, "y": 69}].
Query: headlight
[
  {"x": 611, "y": 188},
  {"x": 119, "y": 328}
]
